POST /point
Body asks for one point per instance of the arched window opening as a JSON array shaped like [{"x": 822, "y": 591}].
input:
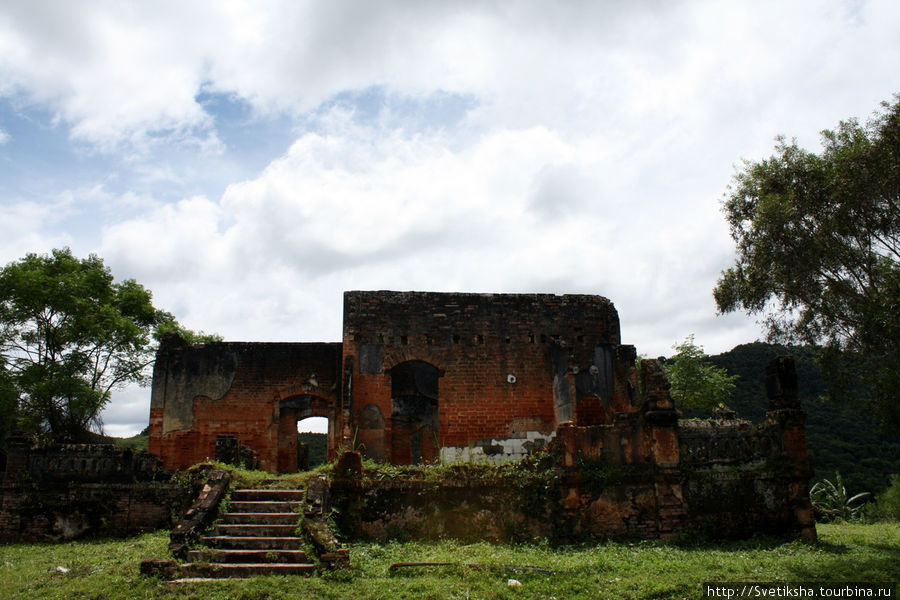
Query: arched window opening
[{"x": 414, "y": 412}]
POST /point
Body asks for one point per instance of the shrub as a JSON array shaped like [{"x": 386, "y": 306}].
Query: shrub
[
  {"x": 886, "y": 506},
  {"x": 831, "y": 500}
]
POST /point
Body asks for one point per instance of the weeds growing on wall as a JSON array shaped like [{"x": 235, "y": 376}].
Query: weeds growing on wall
[
  {"x": 534, "y": 474},
  {"x": 597, "y": 473},
  {"x": 501, "y": 501},
  {"x": 255, "y": 479}
]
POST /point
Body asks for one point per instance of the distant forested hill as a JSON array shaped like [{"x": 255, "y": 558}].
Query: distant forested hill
[{"x": 839, "y": 435}]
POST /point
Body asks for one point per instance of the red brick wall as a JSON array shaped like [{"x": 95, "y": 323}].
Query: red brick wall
[
  {"x": 477, "y": 341},
  {"x": 509, "y": 364},
  {"x": 262, "y": 376}
]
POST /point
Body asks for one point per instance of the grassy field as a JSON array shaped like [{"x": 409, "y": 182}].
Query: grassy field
[{"x": 109, "y": 569}]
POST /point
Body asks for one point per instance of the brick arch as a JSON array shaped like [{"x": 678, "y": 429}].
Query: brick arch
[
  {"x": 407, "y": 354},
  {"x": 308, "y": 405},
  {"x": 303, "y": 389}
]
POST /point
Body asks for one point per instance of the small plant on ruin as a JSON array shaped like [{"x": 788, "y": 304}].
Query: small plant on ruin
[
  {"x": 831, "y": 500},
  {"x": 696, "y": 382},
  {"x": 353, "y": 445},
  {"x": 596, "y": 473}
]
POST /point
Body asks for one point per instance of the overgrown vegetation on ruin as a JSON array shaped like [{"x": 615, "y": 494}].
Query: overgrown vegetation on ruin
[
  {"x": 533, "y": 472},
  {"x": 109, "y": 569},
  {"x": 255, "y": 479}
]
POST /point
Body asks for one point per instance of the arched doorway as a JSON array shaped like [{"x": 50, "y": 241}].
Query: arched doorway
[
  {"x": 414, "y": 413},
  {"x": 303, "y": 412}
]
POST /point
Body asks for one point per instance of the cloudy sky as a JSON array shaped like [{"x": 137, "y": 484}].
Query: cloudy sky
[{"x": 250, "y": 161}]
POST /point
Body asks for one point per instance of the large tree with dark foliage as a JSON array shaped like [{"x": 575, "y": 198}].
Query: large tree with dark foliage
[
  {"x": 69, "y": 335},
  {"x": 818, "y": 253}
]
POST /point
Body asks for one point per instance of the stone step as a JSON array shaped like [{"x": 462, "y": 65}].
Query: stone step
[
  {"x": 251, "y": 543},
  {"x": 256, "y": 530},
  {"x": 247, "y": 556},
  {"x": 262, "y": 506},
  {"x": 268, "y": 495},
  {"x": 264, "y": 518},
  {"x": 258, "y": 536},
  {"x": 227, "y": 570}
]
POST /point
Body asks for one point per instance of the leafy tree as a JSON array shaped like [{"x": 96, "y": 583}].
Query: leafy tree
[
  {"x": 190, "y": 336},
  {"x": 69, "y": 335},
  {"x": 818, "y": 245},
  {"x": 695, "y": 382}
]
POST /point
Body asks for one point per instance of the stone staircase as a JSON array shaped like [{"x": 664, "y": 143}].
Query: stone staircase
[{"x": 256, "y": 537}]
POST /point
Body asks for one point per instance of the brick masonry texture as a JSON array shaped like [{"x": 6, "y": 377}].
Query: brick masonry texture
[
  {"x": 251, "y": 391},
  {"x": 421, "y": 376},
  {"x": 82, "y": 490},
  {"x": 502, "y": 371}
]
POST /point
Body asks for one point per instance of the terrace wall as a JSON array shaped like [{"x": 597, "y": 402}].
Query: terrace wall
[{"x": 81, "y": 490}]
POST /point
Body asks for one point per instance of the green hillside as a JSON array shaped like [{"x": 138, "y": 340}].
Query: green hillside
[{"x": 840, "y": 436}]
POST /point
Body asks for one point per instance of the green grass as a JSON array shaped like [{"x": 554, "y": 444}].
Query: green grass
[{"x": 109, "y": 569}]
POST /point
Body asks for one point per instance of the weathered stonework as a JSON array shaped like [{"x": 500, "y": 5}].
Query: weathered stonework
[
  {"x": 79, "y": 490},
  {"x": 252, "y": 393},
  {"x": 417, "y": 376},
  {"x": 424, "y": 377}
]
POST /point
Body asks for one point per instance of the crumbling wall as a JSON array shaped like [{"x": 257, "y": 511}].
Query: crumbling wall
[
  {"x": 611, "y": 480},
  {"x": 78, "y": 490},
  {"x": 472, "y": 501},
  {"x": 646, "y": 475},
  {"x": 422, "y": 377},
  {"x": 419, "y": 377},
  {"x": 735, "y": 480},
  {"x": 623, "y": 479},
  {"x": 252, "y": 392},
  {"x": 591, "y": 483},
  {"x": 511, "y": 367},
  {"x": 743, "y": 478}
]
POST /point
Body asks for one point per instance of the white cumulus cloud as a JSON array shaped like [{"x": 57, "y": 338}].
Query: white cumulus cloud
[{"x": 250, "y": 161}]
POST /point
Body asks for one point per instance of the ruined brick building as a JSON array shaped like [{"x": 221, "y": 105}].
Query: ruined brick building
[{"x": 420, "y": 377}]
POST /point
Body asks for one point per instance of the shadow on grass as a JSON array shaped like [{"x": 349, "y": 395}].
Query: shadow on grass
[
  {"x": 831, "y": 548},
  {"x": 760, "y": 542},
  {"x": 872, "y": 570},
  {"x": 895, "y": 550},
  {"x": 870, "y": 562}
]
